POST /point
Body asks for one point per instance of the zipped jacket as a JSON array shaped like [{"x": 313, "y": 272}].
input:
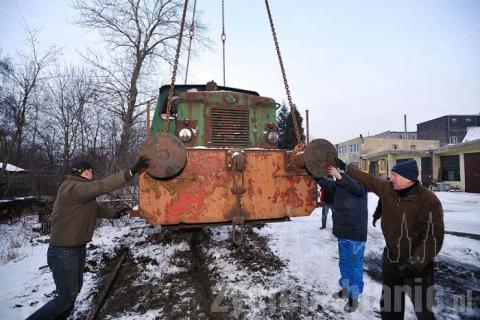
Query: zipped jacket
[
  {"x": 76, "y": 210},
  {"x": 413, "y": 225},
  {"x": 350, "y": 211}
]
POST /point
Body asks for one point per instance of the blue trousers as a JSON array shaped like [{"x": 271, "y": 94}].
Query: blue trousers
[
  {"x": 351, "y": 266},
  {"x": 67, "y": 264}
]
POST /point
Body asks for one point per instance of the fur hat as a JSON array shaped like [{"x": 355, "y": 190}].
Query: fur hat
[{"x": 407, "y": 169}]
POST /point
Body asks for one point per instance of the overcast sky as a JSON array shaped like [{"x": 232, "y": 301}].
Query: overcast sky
[{"x": 358, "y": 66}]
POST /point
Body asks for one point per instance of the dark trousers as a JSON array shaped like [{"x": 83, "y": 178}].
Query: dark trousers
[
  {"x": 67, "y": 264},
  {"x": 325, "y": 209},
  {"x": 420, "y": 289}
]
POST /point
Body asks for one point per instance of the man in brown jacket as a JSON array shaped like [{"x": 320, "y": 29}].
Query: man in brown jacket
[
  {"x": 74, "y": 216},
  {"x": 412, "y": 225}
]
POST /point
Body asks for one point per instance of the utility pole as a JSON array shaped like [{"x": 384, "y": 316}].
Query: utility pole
[{"x": 308, "y": 126}]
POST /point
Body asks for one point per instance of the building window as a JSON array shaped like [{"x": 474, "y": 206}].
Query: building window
[
  {"x": 468, "y": 120},
  {"x": 450, "y": 166},
  {"x": 454, "y": 120},
  {"x": 395, "y": 146},
  {"x": 351, "y": 148},
  {"x": 453, "y": 140},
  {"x": 355, "y": 147},
  {"x": 413, "y": 147}
]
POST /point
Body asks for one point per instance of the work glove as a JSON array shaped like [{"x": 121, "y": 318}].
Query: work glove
[
  {"x": 340, "y": 164},
  {"x": 141, "y": 163},
  {"x": 406, "y": 270},
  {"x": 122, "y": 212},
  {"x": 374, "y": 221}
]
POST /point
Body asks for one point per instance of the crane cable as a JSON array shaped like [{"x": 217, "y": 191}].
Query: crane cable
[
  {"x": 293, "y": 108},
  {"x": 191, "y": 34},
  {"x": 174, "y": 72},
  {"x": 223, "y": 37}
]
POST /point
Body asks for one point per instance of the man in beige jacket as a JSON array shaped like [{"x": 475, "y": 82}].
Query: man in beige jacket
[{"x": 74, "y": 216}]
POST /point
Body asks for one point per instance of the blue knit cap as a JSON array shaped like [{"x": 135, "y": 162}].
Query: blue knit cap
[{"x": 407, "y": 169}]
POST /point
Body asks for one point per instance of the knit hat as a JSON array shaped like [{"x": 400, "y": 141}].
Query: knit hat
[
  {"x": 78, "y": 166},
  {"x": 407, "y": 169}
]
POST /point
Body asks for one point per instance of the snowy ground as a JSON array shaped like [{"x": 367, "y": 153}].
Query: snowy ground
[{"x": 282, "y": 271}]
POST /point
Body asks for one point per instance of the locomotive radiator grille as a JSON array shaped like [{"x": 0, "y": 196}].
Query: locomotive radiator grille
[{"x": 230, "y": 127}]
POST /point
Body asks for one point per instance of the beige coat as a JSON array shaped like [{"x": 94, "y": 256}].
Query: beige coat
[{"x": 76, "y": 210}]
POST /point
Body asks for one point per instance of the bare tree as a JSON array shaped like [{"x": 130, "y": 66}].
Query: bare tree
[
  {"x": 21, "y": 79},
  {"x": 138, "y": 33},
  {"x": 71, "y": 93}
]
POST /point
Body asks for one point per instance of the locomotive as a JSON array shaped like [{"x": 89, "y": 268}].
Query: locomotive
[{"x": 215, "y": 160}]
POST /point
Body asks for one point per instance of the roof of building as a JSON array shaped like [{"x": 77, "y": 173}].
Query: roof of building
[
  {"x": 473, "y": 133},
  {"x": 389, "y": 131},
  {"x": 420, "y": 152},
  {"x": 12, "y": 168},
  {"x": 457, "y": 147},
  {"x": 451, "y": 115}
]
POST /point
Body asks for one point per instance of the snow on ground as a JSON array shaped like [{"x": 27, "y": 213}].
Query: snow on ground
[
  {"x": 461, "y": 211},
  {"x": 303, "y": 258}
]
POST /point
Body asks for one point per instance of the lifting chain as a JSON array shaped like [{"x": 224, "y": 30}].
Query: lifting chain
[
  {"x": 223, "y": 37},
  {"x": 174, "y": 73},
  {"x": 191, "y": 33},
  {"x": 293, "y": 108}
]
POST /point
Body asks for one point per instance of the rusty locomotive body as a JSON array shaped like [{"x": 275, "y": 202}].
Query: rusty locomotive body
[{"x": 232, "y": 170}]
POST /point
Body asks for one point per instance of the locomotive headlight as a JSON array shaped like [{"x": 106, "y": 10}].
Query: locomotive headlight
[
  {"x": 272, "y": 137},
  {"x": 185, "y": 134}
]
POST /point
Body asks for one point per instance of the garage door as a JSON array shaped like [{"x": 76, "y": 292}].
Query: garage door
[{"x": 472, "y": 172}]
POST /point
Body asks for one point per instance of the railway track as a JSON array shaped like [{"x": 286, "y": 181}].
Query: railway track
[{"x": 210, "y": 278}]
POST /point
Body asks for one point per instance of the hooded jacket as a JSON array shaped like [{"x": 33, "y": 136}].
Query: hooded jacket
[
  {"x": 412, "y": 225},
  {"x": 76, "y": 210}
]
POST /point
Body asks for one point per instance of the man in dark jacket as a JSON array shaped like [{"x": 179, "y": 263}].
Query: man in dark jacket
[
  {"x": 74, "y": 216},
  {"x": 412, "y": 225},
  {"x": 350, "y": 218},
  {"x": 326, "y": 197}
]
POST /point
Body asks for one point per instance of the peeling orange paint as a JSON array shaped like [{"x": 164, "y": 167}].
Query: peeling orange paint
[{"x": 202, "y": 192}]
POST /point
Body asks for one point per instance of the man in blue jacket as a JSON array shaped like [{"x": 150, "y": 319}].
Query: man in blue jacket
[{"x": 350, "y": 218}]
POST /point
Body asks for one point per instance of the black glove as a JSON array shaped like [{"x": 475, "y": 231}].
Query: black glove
[
  {"x": 122, "y": 212},
  {"x": 374, "y": 221},
  {"x": 406, "y": 270},
  {"x": 141, "y": 163},
  {"x": 340, "y": 164}
]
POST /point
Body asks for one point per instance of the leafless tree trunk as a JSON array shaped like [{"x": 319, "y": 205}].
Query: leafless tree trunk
[{"x": 139, "y": 33}]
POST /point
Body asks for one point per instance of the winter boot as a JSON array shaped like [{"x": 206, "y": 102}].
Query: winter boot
[
  {"x": 342, "y": 294},
  {"x": 324, "y": 224},
  {"x": 351, "y": 306}
]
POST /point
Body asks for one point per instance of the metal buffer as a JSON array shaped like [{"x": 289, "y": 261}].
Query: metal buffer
[{"x": 316, "y": 158}]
